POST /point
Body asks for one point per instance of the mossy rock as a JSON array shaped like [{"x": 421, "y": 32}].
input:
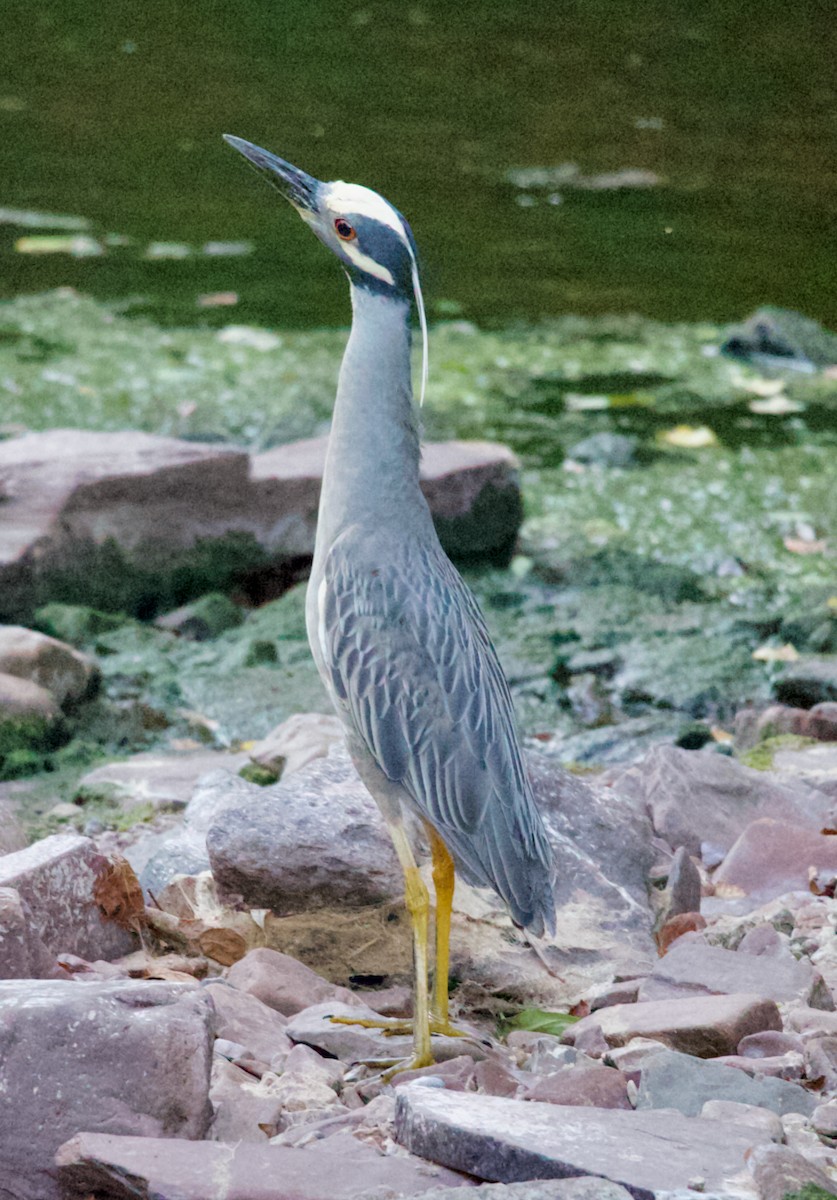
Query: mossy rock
[
  {"x": 76, "y": 623},
  {"x": 760, "y": 757}
]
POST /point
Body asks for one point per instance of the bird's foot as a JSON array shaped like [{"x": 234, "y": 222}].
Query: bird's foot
[
  {"x": 443, "y": 1027},
  {"x": 395, "y": 1027},
  {"x": 389, "y": 1026}
]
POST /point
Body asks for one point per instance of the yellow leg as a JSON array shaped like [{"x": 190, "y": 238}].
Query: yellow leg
[
  {"x": 443, "y": 882},
  {"x": 418, "y": 906}
]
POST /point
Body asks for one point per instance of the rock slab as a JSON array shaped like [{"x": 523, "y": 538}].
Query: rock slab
[
  {"x": 115, "y": 519},
  {"x": 672, "y": 1080},
  {"x": 705, "y": 1026},
  {"x": 56, "y": 877},
  {"x": 509, "y": 1140},
  {"x": 692, "y": 967},
  {"x": 122, "y": 1056},
  {"x": 134, "y": 1168}
]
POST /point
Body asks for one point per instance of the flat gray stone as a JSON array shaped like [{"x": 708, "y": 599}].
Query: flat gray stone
[
  {"x": 355, "y": 1043},
  {"x": 509, "y": 1140},
  {"x": 695, "y": 968},
  {"x": 671, "y": 1080},
  {"x": 165, "y": 781},
  {"x": 705, "y": 1026},
  {"x": 153, "y": 1168},
  {"x": 123, "y": 1057},
  {"x": 583, "y": 1187},
  {"x": 56, "y": 878}
]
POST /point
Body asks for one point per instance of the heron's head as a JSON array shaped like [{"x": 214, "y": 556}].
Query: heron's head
[{"x": 369, "y": 236}]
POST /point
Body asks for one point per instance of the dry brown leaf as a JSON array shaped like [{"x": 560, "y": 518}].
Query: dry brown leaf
[
  {"x": 800, "y": 546},
  {"x": 225, "y": 946},
  {"x": 675, "y": 927},
  {"x": 118, "y": 894}
]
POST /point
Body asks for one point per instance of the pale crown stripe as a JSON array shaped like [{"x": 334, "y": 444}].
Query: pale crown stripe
[{"x": 345, "y": 199}]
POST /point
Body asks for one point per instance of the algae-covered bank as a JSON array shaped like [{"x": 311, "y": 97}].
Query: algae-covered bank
[{"x": 676, "y": 560}]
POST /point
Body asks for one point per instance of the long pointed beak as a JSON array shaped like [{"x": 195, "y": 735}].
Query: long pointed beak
[{"x": 297, "y": 187}]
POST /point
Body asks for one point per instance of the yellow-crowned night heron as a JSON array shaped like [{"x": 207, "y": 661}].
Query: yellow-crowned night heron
[{"x": 397, "y": 637}]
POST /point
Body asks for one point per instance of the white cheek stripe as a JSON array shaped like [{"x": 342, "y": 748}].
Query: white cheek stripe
[{"x": 367, "y": 264}]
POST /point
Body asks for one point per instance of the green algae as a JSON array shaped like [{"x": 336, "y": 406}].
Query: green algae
[
  {"x": 642, "y": 591},
  {"x": 760, "y": 757}
]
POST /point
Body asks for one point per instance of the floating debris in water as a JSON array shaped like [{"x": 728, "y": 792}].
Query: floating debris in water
[
  {"x": 771, "y": 654},
  {"x": 568, "y": 175},
  {"x": 217, "y": 299},
  {"x": 29, "y": 219},
  {"x": 775, "y": 406},
  {"x": 248, "y": 335},
  {"x": 805, "y": 546},
  {"x": 170, "y": 250},
  {"x": 79, "y": 246},
  {"x": 227, "y": 249},
  {"x": 688, "y": 437}
]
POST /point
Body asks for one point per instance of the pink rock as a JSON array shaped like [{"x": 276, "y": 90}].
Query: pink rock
[
  {"x": 764, "y": 940},
  {"x": 22, "y": 698},
  {"x": 821, "y": 1060},
  {"x": 496, "y": 1078},
  {"x": 779, "y": 1171},
  {"x": 623, "y": 992},
  {"x": 769, "y": 1044},
  {"x": 709, "y": 798},
  {"x": 78, "y": 500},
  {"x": 243, "y": 1018},
  {"x": 125, "y": 1056},
  {"x": 704, "y": 1026},
  {"x": 596, "y": 1087},
  {"x": 772, "y": 857},
  {"x": 283, "y": 983},
  {"x": 337, "y": 1168},
  {"x": 22, "y": 953},
  {"x": 240, "y": 1115},
  {"x": 690, "y": 968},
  {"x": 812, "y": 1022},
  {"x": 56, "y": 877},
  {"x": 457, "y": 1073}
]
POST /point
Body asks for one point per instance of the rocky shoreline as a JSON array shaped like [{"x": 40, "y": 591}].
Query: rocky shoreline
[
  {"x": 193, "y": 881},
  {"x": 694, "y": 961}
]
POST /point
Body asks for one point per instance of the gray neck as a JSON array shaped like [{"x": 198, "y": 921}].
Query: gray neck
[{"x": 372, "y": 464}]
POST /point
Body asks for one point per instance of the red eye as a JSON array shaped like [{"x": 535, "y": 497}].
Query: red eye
[{"x": 344, "y": 230}]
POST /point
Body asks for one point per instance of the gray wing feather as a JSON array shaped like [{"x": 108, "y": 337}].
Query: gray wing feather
[{"x": 409, "y": 656}]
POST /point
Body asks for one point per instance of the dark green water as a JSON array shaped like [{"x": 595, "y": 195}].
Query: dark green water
[{"x": 114, "y": 113}]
